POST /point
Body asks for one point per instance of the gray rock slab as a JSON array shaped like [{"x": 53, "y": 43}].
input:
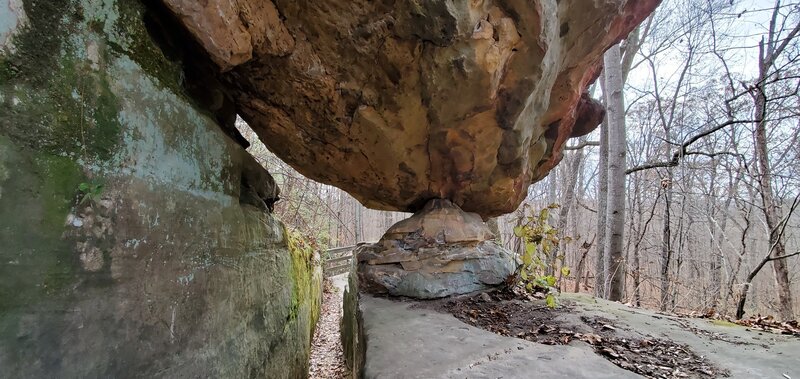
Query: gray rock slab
[
  {"x": 745, "y": 353},
  {"x": 404, "y": 341},
  {"x": 407, "y": 342}
]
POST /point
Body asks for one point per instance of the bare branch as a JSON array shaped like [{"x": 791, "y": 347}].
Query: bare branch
[
  {"x": 683, "y": 151},
  {"x": 770, "y": 259},
  {"x": 582, "y": 145}
]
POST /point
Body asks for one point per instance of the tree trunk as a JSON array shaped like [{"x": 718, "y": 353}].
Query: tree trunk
[
  {"x": 616, "y": 173},
  {"x": 771, "y": 210},
  {"x": 359, "y": 229},
  {"x": 666, "y": 242},
  {"x": 586, "y": 247},
  {"x": 568, "y": 196},
  {"x": 494, "y": 227},
  {"x": 519, "y": 246},
  {"x": 637, "y": 265},
  {"x": 680, "y": 243},
  {"x": 602, "y": 206},
  {"x": 717, "y": 221},
  {"x": 387, "y": 220}
]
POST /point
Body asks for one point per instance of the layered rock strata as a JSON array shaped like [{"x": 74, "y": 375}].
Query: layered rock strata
[
  {"x": 135, "y": 237},
  {"x": 438, "y": 252},
  {"x": 399, "y": 102}
]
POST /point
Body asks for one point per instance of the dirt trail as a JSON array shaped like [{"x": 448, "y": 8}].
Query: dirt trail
[{"x": 327, "y": 358}]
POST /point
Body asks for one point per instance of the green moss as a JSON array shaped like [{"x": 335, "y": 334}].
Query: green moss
[
  {"x": 54, "y": 100},
  {"x": 724, "y": 323},
  {"x": 37, "y": 196},
  {"x": 139, "y": 46},
  {"x": 107, "y": 128},
  {"x": 7, "y": 70},
  {"x": 60, "y": 179},
  {"x": 76, "y": 115},
  {"x": 307, "y": 286},
  {"x": 39, "y": 42},
  {"x": 83, "y": 112}
]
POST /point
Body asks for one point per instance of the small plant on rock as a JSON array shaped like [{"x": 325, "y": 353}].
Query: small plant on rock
[
  {"x": 90, "y": 192},
  {"x": 541, "y": 262}
]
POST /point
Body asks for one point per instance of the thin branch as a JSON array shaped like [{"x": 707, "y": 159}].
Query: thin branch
[
  {"x": 582, "y": 145},
  {"x": 683, "y": 151},
  {"x": 770, "y": 259}
]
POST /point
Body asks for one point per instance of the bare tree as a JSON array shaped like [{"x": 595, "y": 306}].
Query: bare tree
[
  {"x": 615, "y": 225},
  {"x": 771, "y": 256},
  {"x": 602, "y": 208},
  {"x": 768, "y": 51}
]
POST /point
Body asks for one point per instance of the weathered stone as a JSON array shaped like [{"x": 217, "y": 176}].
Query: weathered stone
[
  {"x": 233, "y": 32},
  {"x": 440, "y": 251},
  {"x": 441, "y": 221},
  {"x": 404, "y": 341},
  {"x": 409, "y": 340},
  {"x": 351, "y": 326},
  {"x": 135, "y": 237},
  {"x": 399, "y": 102}
]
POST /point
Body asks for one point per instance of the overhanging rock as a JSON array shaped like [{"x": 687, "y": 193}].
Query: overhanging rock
[
  {"x": 456, "y": 104},
  {"x": 400, "y": 102}
]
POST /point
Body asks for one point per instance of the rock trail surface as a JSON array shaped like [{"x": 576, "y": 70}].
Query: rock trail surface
[{"x": 412, "y": 339}]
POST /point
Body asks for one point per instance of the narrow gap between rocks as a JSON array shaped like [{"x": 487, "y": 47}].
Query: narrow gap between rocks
[{"x": 326, "y": 360}]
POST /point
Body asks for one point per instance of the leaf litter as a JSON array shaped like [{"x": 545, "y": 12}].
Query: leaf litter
[
  {"x": 327, "y": 358},
  {"x": 517, "y": 314}
]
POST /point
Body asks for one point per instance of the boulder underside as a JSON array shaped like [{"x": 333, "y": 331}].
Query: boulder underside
[
  {"x": 400, "y": 102},
  {"x": 450, "y": 109}
]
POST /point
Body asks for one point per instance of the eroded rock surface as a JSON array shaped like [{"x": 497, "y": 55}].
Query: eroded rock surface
[
  {"x": 399, "y": 102},
  {"x": 440, "y": 251},
  {"x": 135, "y": 236},
  {"x": 410, "y": 339}
]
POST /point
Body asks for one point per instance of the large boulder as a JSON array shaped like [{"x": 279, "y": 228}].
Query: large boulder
[
  {"x": 399, "y": 102},
  {"x": 440, "y": 251}
]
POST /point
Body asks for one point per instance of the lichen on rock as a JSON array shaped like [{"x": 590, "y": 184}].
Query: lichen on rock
[{"x": 135, "y": 235}]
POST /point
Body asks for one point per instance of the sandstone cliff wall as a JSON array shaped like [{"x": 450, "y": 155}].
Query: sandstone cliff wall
[{"x": 135, "y": 236}]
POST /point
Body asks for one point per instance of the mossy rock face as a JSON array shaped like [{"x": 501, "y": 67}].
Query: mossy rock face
[
  {"x": 36, "y": 192},
  {"x": 56, "y": 96},
  {"x": 128, "y": 239}
]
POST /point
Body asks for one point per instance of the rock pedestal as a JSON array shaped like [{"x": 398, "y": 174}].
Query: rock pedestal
[{"x": 438, "y": 252}]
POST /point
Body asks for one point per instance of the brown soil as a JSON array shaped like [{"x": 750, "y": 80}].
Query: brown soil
[{"x": 515, "y": 314}]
